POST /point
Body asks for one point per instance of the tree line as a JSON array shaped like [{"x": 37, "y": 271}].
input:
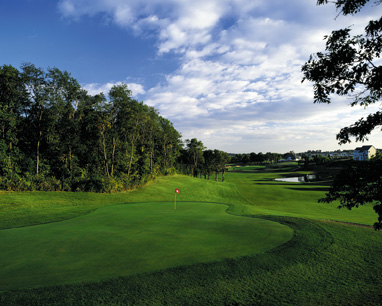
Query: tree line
[
  {"x": 257, "y": 158},
  {"x": 56, "y": 136},
  {"x": 198, "y": 161}
]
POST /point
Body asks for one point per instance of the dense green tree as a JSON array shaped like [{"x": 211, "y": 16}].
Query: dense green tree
[
  {"x": 214, "y": 161},
  {"x": 272, "y": 157},
  {"x": 88, "y": 148},
  {"x": 169, "y": 140},
  {"x": 55, "y": 136},
  {"x": 39, "y": 113},
  {"x": 183, "y": 161},
  {"x": 58, "y": 137},
  {"x": 208, "y": 165},
  {"x": 195, "y": 154},
  {"x": 221, "y": 160},
  {"x": 13, "y": 98},
  {"x": 253, "y": 157},
  {"x": 65, "y": 96},
  {"x": 305, "y": 161},
  {"x": 321, "y": 160},
  {"x": 237, "y": 158},
  {"x": 257, "y": 158}
]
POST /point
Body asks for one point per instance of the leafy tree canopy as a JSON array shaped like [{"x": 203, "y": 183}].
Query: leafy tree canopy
[
  {"x": 347, "y": 7},
  {"x": 350, "y": 66}
]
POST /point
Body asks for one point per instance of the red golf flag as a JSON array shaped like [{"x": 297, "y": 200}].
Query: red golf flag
[{"x": 176, "y": 190}]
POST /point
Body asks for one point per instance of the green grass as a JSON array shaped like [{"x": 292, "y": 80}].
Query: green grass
[
  {"x": 325, "y": 262},
  {"x": 245, "y": 168},
  {"x": 122, "y": 240},
  {"x": 31, "y": 208},
  {"x": 269, "y": 197}
]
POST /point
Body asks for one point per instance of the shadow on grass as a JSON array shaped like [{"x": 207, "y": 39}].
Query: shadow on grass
[
  {"x": 250, "y": 280},
  {"x": 324, "y": 184},
  {"x": 262, "y": 171},
  {"x": 311, "y": 189}
]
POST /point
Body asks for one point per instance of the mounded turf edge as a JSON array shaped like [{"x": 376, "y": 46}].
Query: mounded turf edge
[{"x": 202, "y": 284}]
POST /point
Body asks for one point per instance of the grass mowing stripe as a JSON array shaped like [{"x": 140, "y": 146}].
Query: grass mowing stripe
[
  {"x": 324, "y": 264},
  {"x": 130, "y": 239},
  {"x": 313, "y": 268},
  {"x": 268, "y": 197}
]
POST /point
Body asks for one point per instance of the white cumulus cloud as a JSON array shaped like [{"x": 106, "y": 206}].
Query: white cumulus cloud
[{"x": 238, "y": 83}]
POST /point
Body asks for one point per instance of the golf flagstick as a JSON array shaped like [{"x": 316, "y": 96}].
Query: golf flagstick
[{"x": 176, "y": 191}]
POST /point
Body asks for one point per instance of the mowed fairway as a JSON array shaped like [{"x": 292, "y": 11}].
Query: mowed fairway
[
  {"x": 122, "y": 240},
  {"x": 272, "y": 244},
  {"x": 266, "y": 196}
]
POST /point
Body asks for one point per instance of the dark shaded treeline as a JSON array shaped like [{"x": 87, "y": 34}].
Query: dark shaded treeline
[
  {"x": 55, "y": 136},
  {"x": 258, "y": 158}
]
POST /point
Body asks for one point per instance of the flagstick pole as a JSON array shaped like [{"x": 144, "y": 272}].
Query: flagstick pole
[{"x": 175, "y": 202}]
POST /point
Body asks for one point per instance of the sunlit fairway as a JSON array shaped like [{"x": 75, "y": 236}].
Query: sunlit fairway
[
  {"x": 248, "y": 241},
  {"x": 122, "y": 240},
  {"x": 266, "y": 196}
]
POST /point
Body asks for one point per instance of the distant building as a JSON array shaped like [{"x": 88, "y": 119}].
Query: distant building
[
  {"x": 364, "y": 152},
  {"x": 331, "y": 154},
  {"x": 290, "y": 157}
]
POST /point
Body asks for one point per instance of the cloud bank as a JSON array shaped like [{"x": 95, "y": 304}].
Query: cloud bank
[{"x": 238, "y": 84}]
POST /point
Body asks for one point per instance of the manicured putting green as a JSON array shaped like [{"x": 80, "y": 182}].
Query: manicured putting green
[{"x": 122, "y": 240}]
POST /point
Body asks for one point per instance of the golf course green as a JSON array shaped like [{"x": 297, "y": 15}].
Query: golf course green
[
  {"x": 248, "y": 241},
  {"x": 122, "y": 240}
]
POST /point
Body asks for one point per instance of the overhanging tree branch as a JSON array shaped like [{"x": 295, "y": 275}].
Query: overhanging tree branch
[{"x": 349, "y": 66}]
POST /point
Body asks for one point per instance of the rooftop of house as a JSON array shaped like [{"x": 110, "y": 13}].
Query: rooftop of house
[{"x": 363, "y": 148}]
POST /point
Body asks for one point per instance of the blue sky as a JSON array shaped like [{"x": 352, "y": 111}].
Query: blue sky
[{"x": 227, "y": 72}]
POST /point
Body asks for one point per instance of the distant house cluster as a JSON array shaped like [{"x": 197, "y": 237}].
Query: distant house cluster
[
  {"x": 331, "y": 154},
  {"x": 364, "y": 153},
  {"x": 360, "y": 154}
]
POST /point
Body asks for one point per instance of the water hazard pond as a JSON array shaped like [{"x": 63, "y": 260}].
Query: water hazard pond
[{"x": 299, "y": 179}]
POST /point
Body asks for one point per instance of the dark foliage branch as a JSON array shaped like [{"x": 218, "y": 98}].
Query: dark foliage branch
[
  {"x": 347, "y": 7},
  {"x": 358, "y": 184},
  {"x": 349, "y": 67},
  {"x": 360, "y": 129}
]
